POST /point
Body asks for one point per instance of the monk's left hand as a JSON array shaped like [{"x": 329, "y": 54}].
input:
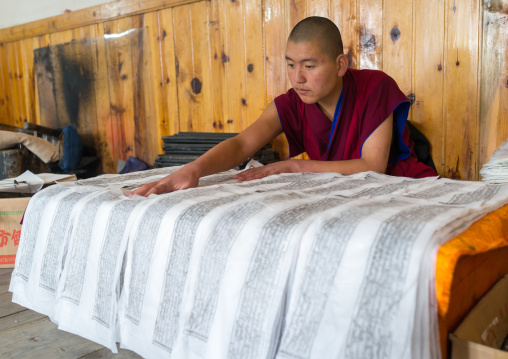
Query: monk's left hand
[{"x": 264, "y": 171}]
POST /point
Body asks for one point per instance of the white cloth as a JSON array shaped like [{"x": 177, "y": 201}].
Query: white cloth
[{"x": 289, "y": 266}]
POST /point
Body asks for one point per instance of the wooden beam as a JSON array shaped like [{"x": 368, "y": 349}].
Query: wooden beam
[{"x": 92, "y": 15}]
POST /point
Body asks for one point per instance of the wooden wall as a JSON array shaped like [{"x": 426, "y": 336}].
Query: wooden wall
[{"x": 216, "y": 64}]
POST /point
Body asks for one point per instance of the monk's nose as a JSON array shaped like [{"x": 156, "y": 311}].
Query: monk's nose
[{"x": 300, "y": 78}]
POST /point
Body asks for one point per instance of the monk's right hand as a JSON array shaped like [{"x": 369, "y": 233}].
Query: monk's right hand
[{"x": 182, "y": 179}]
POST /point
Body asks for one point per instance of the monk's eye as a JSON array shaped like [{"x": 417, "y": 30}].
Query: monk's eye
[
  {"x": 310, "y": 67},
  {"x": 291, "y": 66}
]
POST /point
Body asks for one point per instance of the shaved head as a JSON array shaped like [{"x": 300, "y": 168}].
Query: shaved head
[{"x": 321, "y": 30}]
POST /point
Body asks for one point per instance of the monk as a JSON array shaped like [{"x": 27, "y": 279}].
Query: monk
[{"x": 347, "y": 121}]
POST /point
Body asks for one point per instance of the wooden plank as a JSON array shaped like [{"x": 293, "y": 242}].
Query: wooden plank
[
  {"x": 318, "y": 8},
  {"x": 42, "y": 337},
  {"x": 185, "y": 72},
  {"x": 20, "y": 79},
  {"x": 27, "y": 59},
  {"x": 461, "y": 90},
  {"x": 169, "y": 122},
  {"x": 47, "y": 109},
  {"x": 235, "y": 67},
  {"x": 13, "y": 73},
  {"x": 84, "y": 32},
  {"x": 344, "y": 16},
  {"x": 255, "y": 96},
  {"x": 89, "y": 16},
  {"x": 398, "y": 43},
  {"x": 427, "y": 111},
  {"x": 295, "y": 12},
  {"x": 6, "y": 103},
  {"x": 493, "y": 80},
  {"x": 219, "y": 84},
  {"x": 60, "y": 37},
  {"x": 371, "y": 33},
  {"x": 120, "y": 72},
  {"x": 154, "y": 43},
  {"x": 39, "y": 42},
  {"x": 143, "y": 136},
  {"x": 102, "y": 104},
  {"x": 5, "y": 276},
  {"x": 7, "y": 307},
  {"x": 107, "y": 354},
  {"x": 201, "y": 81},
  {"x": 18, "y": 319},
  {"x": 275, "y": 48}
]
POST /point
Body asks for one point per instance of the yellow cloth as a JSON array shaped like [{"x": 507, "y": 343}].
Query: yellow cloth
[{"x": 488, "y": 233}]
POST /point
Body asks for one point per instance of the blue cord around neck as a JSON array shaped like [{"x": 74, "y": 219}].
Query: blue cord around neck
[{"x": 335, "y": 118}]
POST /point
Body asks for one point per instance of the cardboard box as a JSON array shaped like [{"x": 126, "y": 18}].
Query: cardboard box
[
  {"x": 11, "y": 212},
  {"x": 482, "y": 332}
]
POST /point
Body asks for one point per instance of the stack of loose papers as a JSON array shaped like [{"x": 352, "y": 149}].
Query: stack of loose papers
[
  {"x": 32, "y": 183},
  {"x": 496, "y": 170},
  {"x": 297, "y": 265}
]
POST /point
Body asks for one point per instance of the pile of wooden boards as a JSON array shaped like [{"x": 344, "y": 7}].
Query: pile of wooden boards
[{"x": 185, "y": 147}]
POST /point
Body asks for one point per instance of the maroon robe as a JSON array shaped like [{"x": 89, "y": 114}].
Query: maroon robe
[{"x": 369, "y": 97}]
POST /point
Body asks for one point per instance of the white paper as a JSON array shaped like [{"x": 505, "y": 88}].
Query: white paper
[{"x": 305, "y": 265}]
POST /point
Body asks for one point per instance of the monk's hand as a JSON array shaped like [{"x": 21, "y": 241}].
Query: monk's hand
[
  {"x": 268, "y": 170},
  {"x": 182, "y": 179}
]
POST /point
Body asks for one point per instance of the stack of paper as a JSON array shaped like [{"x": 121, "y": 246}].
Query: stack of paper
[
  {"x": 297, "y": 265},
  {"x": 29, "y": 183},
  {"x": 496, "y": 170}
]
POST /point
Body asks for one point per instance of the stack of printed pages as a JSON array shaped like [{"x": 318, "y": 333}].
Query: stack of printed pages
[
  {"x": 496, "y": 170},
  {"x": 297, "y": 265}
]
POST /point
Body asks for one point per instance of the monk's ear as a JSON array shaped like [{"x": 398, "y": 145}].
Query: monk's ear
[{"x": 342, "y": 64}]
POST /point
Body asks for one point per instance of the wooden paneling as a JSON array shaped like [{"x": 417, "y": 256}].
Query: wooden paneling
[
  {"x": 183, "y": 56},
  {"x": 398, "y": 40},
  {"x": 120, "y": 78},
  {"x": 344, "y": 15},
  {"x": 371, "y": 33},
  {"x": 89, "y": 16},
  {"x": 169, "y": 124},
  {"x": 234, "y": 64},
  {"x": 429, "y": 67},
  {"x": 214, "y": 65},
  {"x": 461, "y": 89}
]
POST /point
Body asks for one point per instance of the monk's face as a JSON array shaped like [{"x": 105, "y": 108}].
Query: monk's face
[{"x": 312, "y": 73}]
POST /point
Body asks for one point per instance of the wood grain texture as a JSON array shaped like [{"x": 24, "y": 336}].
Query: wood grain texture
[
  {"x": 185, "y": 73},
  {"x": 13, "y": 78},
  {"x": 370, "y": 13},
  {"x": 398, "y": 43},
  {"x": 429, "y": 67},
  {"x": 275, "y": 64},
  {"x": 6, "y": 99},
  {"x": 254, "y": 61},
  {"x": 102, "y": 104},
  {"x": 343, "y": 14},
  {"x": 120, "y": 78},
  {"x": 235, "y": 65},
  {"x": 169, "y": 124},
  {"x": 461, "y": 89},
  {"x": 29, "y": 83},
  {"x": 200, "y": 83},
  {"x": 219, "y": 84}
]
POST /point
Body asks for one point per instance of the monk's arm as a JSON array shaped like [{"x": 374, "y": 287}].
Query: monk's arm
[
  {"x": 224, "y": 156},
  {"x": 375, "y": 154}
]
